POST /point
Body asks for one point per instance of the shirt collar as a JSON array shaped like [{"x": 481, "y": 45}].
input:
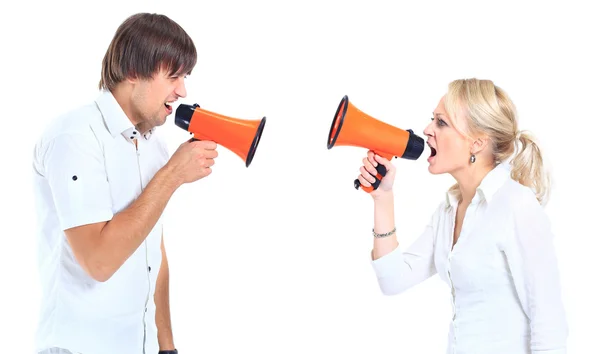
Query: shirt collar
[
  {"x": 487, "y": 188},
  {"x": 116, "y": 120}
]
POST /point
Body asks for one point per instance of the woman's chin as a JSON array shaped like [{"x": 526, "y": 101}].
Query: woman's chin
[{"x": 433, "y": 169}]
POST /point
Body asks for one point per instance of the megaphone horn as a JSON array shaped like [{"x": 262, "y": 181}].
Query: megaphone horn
[
  {"x": 241, "y": 136},
  {"x": 352, "y": 127}
]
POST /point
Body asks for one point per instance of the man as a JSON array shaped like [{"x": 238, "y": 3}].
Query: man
[{"x": 103, "y": 177}]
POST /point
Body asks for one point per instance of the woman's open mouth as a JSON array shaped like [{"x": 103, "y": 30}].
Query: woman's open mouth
[{"x": 433, "y": 152}]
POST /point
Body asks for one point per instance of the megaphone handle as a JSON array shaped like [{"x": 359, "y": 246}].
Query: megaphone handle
[{"x": 381, "y": 171}]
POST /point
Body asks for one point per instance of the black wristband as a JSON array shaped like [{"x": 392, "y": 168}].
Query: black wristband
[{"x": 174, "y": 351}]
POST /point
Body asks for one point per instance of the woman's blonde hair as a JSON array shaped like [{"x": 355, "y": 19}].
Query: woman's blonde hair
[{"x": 488, "y": 109}]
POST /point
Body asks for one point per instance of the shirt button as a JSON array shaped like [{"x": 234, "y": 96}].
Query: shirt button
[{"x": 149, "y": 269}]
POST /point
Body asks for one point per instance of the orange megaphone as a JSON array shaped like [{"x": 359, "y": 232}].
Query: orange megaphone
[
  {"x": 352, "y": 127},
  {"x": 238, "y": 135}
]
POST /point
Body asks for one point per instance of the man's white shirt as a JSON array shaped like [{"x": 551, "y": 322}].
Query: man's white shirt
[{"x": 87, "y": 168}]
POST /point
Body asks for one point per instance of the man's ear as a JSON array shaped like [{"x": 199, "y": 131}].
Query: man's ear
[{"x": 132, "y": 79}]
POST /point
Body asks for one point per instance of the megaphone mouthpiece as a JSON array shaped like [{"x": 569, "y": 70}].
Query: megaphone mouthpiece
[
  {"x": 414, "y": 146},
  {"x": 183, "y": 115}
]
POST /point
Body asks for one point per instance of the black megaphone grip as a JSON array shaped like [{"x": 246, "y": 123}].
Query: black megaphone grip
[{"x": 381, "y": 170}]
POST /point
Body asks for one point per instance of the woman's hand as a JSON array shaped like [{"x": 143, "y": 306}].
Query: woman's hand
[{"x": 368, "y": 171}]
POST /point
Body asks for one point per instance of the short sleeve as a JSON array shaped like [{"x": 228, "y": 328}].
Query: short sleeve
[{"x": 75, "y": 171}]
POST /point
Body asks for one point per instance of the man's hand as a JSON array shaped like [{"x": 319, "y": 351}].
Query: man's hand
[{"x": 192, "y": 161}]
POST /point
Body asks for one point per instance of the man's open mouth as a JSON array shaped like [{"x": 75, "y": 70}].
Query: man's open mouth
[{"x": 168, "y": 107}]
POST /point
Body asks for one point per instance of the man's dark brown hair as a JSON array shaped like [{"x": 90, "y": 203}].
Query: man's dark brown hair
[{"x": 142, "y": 45}]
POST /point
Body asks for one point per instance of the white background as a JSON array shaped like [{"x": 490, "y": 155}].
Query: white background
[{"x": 274, "y": 258}]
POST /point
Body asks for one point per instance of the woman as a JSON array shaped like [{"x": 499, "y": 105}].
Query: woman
[{"x": 489, "y": 239}]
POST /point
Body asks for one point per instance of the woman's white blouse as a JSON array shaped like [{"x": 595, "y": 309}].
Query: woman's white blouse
[{"x": 502, "y": 272}]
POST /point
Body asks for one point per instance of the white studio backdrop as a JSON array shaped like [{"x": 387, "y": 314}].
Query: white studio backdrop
[{"x": 275, "y": 258}]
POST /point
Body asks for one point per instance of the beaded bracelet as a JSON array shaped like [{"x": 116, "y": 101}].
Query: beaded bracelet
[{"x": 376, "y": 235}]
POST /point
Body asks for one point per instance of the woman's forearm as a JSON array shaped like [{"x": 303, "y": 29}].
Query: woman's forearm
[{"x": 384, "y": 223}]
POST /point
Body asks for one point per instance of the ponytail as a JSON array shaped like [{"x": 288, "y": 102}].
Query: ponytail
[{"x": 528, "y": 166}]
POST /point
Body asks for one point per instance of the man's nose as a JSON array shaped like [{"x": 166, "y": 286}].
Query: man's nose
[{"x": 180, "y": 90}]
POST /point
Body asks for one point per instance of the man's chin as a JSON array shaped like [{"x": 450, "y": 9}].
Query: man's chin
[{"x": 160, "y": 121}]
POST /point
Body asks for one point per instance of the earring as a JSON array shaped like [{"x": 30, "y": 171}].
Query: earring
[{"x": 472, "y": 158}]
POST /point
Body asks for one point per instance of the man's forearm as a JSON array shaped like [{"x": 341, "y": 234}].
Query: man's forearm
[
  {"x": 161, "y": 298},
  {"x": 121, "y": 236}
]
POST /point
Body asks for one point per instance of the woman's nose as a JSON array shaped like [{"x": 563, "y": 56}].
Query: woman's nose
[{"x": 428, "y": 131}]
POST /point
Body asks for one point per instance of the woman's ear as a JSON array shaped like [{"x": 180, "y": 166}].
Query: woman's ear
[{"x": 479, "y": 144}]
